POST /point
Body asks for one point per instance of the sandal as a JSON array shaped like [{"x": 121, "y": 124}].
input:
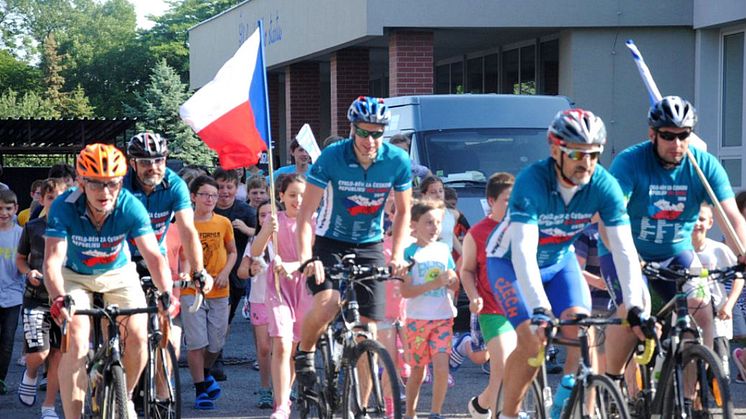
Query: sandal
[
  {"x": 213, "y": 388},
  {"x": 204, "y": 402},
  {"x": 737, "y": 360},
  {"x": 26, "y": 391}
]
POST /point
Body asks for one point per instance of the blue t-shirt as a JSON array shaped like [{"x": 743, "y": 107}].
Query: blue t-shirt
[
  {"x": 536, "y": 200},
  {"x": 288, "y": 170},
  {"x": 167, "y": 198},
  {"x": 352, "y": 208},
  {"x": 664, "y": 204},
  {"x": 91, "y": 251}
]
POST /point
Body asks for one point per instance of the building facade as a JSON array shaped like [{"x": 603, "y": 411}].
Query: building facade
[{"x": 321, "y": 54}]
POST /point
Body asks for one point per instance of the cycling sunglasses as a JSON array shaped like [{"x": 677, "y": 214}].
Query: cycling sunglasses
[
  {"x": 364, "y": 133},
  {"x": 150, "y": 161},
  {"x": 670, "y": 136},
  {"x": 97, "y": 185},
  {"x": 578, "y": 155}
]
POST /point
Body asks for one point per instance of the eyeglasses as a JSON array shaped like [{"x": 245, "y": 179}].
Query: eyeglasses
[
  {"x": 578, "y": 155},
  {"x": 151, "y": 161},
  {"x": 670, "y": 136},
  {"x": 98, "y": 186},
  {"x": 205, "y": 195},
  {"x": 364, "y": 133}
]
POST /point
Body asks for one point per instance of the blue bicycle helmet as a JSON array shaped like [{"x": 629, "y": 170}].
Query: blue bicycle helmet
[
  {"x": 369, "y": 109},
  {"x": 672, "y": 111},
  {"x": 577, "y": 126}
]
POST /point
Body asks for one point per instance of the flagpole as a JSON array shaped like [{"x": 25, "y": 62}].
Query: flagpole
[{"x": 273, "y": 204}]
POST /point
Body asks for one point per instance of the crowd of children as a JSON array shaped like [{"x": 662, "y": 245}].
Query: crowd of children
[{"x": 250, "y": 250}]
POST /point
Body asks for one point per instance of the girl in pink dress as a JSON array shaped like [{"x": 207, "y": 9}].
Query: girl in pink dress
[{"x": 286, "y": 309}]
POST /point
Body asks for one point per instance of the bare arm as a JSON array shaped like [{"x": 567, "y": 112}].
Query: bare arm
[
  {"x": 55, "y": 250},
  {"x": 593, "y": 280},
  {"x": 311, "y": 200},
  {"x": 400, "y": 227},
  {"x": 223, "y": 277},
  {"x": 190, "y": 239},
  {"x": 147, "y": 244},
  {"x": 469, "y": 274}
]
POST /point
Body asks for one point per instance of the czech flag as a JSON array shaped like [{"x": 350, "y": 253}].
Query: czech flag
[{"x": 230, "y": 112}]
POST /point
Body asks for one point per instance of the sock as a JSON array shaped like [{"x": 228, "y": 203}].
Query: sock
[
  {"x": 200, "y": 388},
  {"x": 27, "y": 394},
  {"x": 477, "y": 407}
]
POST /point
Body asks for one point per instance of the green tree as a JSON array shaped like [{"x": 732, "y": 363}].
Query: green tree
[
  {"x": 158, "y": 110},
  {"x": 168, "y": 38},
  {"x": 29, "y": 105},
  {"x": 17, "y": 75}
]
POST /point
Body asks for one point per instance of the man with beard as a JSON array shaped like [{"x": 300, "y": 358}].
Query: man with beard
[
  {"x": 664, "y": 195},
  {"x": 531, "y": 265},
  {"x": 166, "y": 198}
]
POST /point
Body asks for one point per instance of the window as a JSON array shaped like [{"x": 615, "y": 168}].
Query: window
[
  {"x": 732, "y": 132},
  {"x": 490, "y": 74},
  {"x": 475, "y": 75},
  {"x": 443, "y": 79},
  {"x": 457, "y": 77},
  {"x": 549, "y": 67},
  {"x": 519, "y": 71}
]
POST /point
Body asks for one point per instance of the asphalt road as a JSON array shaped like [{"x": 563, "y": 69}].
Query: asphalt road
[{"x": 238, "y": 391}]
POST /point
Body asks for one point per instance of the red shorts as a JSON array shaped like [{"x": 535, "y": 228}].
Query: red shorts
[{"x": 426, "y": 338}]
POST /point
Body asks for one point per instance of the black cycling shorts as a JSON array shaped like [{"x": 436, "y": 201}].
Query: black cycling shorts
[{"x": 372, "y": 301}]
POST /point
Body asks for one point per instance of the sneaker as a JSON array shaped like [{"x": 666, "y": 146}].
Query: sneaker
[
  {"x": 49, "y": 413},
  {"x": 741, "y": 368},
  {"x": 739, "y": 379},
  {"x": 486, "y": 368},
  {"x": 255, "y": 365},
  {"x": 246, "y": 309},
  {"x": 451, "y": 380},
  {"x": 281, "y": 412},
  {"x": 435, "y": 416},
  {"x": 428, "y": 376},
  {"x": 265, "y": 400},
  {"x": 457, "y": 358},
  {"x": 472, "y": 407},
  {"x": 131, "y": 412}
]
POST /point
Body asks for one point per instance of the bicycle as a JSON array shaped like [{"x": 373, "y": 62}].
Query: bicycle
[
  {"x": 685, "y": 358},
  {"x": 592, "y": 396},
  {"x": 159, "y": 386},
  {"x": 106, "y": 395},
  {"x": 339, "y": 351}
]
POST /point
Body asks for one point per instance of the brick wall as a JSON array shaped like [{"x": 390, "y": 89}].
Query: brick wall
[
  {"x": 349, "y": 79},
  {"x": 302, "y": 81},
  {"x": 410, "y": 63},
  {"x": 273, "y": 91}
]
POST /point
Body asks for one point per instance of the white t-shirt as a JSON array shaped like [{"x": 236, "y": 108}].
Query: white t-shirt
[
  {"x": 429, "y": 262},
  {"x": 716, "y": 255},
  {"x": 259, "y": 282},
  {"x": 448, "y": 225}
]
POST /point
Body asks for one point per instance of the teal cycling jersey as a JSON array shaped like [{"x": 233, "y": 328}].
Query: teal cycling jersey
[
  {"x": 352, "y": 208},
  {"x": 536, "y": 199},
  {"x": 92, "y": 251},
  {"x": 663, "y": 204},
  {"x": 166, "y": 199}
]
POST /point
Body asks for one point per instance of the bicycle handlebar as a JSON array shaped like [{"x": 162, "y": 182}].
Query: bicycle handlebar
[
  {"x": 347, "y": 268},
  {"x": 654, "y": 269}
]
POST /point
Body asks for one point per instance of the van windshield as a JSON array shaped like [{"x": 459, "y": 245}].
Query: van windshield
[{"x": 472, "y": 155}]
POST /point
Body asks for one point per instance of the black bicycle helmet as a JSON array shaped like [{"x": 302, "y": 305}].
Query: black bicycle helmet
[
  {"x": 672, "y": 111},
  {"x": 147, "y": 145}
]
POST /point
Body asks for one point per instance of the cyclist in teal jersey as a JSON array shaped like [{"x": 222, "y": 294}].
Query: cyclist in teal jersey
[
  {"x": 86, "y": 252},
  {"x": 355, "y": 176},
  {"x": 166, "y": 197},
  {"x": 664, "y": 194},
  {"x": 531, "y": 265}
]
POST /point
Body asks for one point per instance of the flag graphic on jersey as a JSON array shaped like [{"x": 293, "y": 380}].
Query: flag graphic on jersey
[{"x": 358, "y": 204}]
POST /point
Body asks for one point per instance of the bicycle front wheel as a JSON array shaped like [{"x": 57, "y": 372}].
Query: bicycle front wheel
[
  {"x": 358, "y": 382},
  {"x": 162, "y": 395},
  {"x": 114, "y": 405},
  {"x": 532, "y": 406},
  {"x": 601, "y": 398},
  {"x": 705, "y": 386}
]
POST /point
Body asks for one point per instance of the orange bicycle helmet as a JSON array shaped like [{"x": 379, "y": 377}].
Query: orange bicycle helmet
[{"x": 101, "y": 161}]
